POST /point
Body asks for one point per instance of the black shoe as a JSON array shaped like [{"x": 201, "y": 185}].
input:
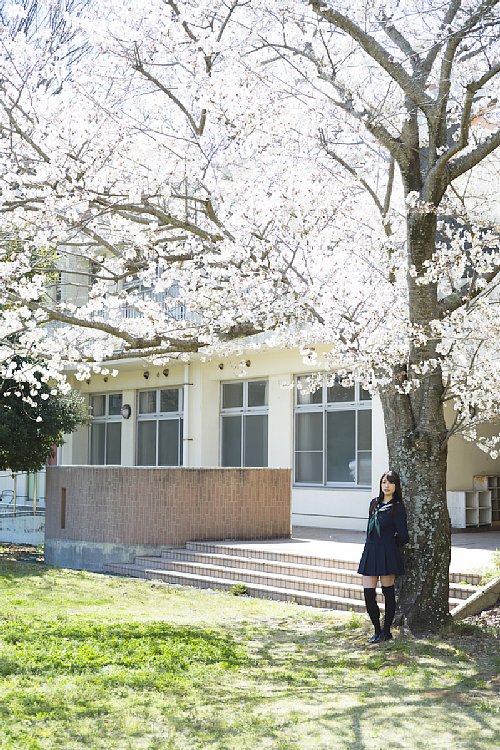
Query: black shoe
[
  {"x": 384, "y": 637},
  {"x": 375, "y": 638}
]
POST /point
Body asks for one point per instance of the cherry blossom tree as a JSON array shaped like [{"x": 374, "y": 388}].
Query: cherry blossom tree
[
  {"x": 179, "y": 176},
  {"x": 421, "y": 85}
]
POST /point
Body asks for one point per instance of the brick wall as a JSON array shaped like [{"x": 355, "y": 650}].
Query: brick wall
[{"x": 127, "y": 508}]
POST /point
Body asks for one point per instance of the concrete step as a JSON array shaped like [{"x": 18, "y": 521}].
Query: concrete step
[
  {"x": 274, "y": 579},
  {"x": 320, "y": 572},
  {"x": 463, "y": 591},
  {"x": 310, "y": 599},
  {"x": 472, "y": 579},
  {"x": 323, "y": 582},
  {"x": 263, "y": 553},
  {"x": 260, "y": 552},
  {"x": 302, "y": 570}
]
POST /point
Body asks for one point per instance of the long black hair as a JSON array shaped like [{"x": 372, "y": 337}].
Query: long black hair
[{"x": 393, "y": 477}]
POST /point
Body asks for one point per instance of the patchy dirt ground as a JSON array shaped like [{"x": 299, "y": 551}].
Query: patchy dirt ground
[
  {"x": 489, "y": 618},
  {"x": 22, "y": 552}
]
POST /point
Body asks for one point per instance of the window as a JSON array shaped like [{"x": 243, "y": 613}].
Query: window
[
  {"x": 333, "y": 434},
  {"x": 159, "y": 427},
  {"x": 244, "y": 423},
  {"x": 106, "y": 429}
]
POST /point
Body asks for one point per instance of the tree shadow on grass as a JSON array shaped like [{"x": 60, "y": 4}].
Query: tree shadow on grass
[
  {"x": 15, "y": 569},
  {"x": 342, "y": 693}
]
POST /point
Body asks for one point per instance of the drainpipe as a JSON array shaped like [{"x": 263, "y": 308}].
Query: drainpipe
[{"x": 186, "y": 440}]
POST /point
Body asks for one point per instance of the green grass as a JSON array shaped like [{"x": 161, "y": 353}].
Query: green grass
[
  {"x": 89, "y": 661},
  {"x": 493, "y": 570}
]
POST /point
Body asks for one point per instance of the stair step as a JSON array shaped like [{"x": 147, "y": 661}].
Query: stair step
[
  {"x": 472, "y": 579},
  {"x": 462, "y": 591},
  {"x": 259, "y": 552},
  {"x": 258, "y": 590},
  {"x": 319, "y": 572},
  {"x": 318, "y": 594},
  {"x": 265, "y": 572},
  {"x": 269, "y": 554},
  {"x": 246, "y": 575}
]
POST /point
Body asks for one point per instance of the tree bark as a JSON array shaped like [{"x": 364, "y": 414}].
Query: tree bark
[
  {"x": 418, "y": 452},
  {"x": 417, "y": 445}
]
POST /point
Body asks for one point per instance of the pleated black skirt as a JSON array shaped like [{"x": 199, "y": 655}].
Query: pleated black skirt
[{"x": 381, "y": 558}]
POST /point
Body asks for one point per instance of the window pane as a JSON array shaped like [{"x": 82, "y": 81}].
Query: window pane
[
  {"x": 309, "y": 431},
  {"x": 309, "y": 447},
  {"x": 257, "y": 393},
  {"x": 316, "y": 397},
  {"x": 115, "y": 403},
  {"x": 168, "y": 442},
  {"x": 365, "y": 430},
  {"x": 114, "y": 443},
  {"x": 97, "y": 435},
  {"x": 340, "y": 446},
  {"x": 338, "y": 393},
  {"x": 147, "y": 402},
  {"x": 98, "y": 405},
  {"x": 309, "y": 467},
  {"x": 255, "y": 440},
  {"x": 231, "y": 441},
  {"x": 364, "y": 395},
  {"x": 169, "y": 400},
  {"x": 146, "y": 443},
  {"x": 232, "y": 396},
  {"x": 365, "y": 467}
]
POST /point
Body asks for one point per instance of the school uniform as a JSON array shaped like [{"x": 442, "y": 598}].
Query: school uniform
[{"x": 386, "y": 534}]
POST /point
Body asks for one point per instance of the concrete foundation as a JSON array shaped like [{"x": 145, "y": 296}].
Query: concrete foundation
[{"x": 22, "y": 529}]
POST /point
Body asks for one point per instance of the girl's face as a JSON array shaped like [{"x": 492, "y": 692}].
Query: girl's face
[{"x": 388, "y": 488}]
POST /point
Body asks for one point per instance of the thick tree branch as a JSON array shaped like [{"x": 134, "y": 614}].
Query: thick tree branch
[
  {"x": 132, "y": 210},
  {"x": 369, "y": 44},
  {"x": 466, "y": 162},
  {"x": 135, "y": 342},
  {"x": 456, "y": 300}
]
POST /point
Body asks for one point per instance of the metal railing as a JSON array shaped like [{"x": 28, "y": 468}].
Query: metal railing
[{"x": 19, "y": 505}]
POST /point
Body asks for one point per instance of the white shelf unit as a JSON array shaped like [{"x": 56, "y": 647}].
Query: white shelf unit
[
  {"x": 491, "y": 483},
  {"x": 469, "y": 508}
]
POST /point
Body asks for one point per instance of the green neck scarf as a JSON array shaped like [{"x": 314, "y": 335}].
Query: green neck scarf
[{"x": 374, "y": 522}]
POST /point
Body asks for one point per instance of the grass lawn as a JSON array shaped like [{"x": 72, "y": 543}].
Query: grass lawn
[{"x": 90, "y": 661}]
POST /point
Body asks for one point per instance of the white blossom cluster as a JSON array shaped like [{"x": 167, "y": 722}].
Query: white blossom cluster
[{"x": 175, "y": 176}]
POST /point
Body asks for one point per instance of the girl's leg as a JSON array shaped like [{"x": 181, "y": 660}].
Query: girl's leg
[
  {"x": 369, "y": 586},
  {"x": 390, "y": 606}
]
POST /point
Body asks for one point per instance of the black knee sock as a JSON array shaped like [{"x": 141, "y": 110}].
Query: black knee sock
[
  {"x": 372, "y": 608},
  {"x": 390, "y": 607}
]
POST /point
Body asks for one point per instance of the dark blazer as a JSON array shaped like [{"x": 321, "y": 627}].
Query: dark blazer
[{"x": 386, "y": 533}]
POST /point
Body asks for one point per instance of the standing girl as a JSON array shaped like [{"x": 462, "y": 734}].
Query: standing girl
[{"x": 386, "y": 533}]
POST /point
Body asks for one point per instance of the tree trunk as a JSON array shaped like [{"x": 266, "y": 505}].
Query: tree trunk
[
  {"x": 419, "y": 456},
  {"x": 417, "y": 444}
]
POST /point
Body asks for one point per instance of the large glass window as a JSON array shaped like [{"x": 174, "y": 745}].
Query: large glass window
[
  {"x": 244, "y": 406},
  {"x": 159, "y": 427},
  {"x": 333, "y": 433},
  {"x": 106, "y": 429}
]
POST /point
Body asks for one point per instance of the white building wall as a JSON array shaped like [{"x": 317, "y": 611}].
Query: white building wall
[{"x": 339, "y": 507}]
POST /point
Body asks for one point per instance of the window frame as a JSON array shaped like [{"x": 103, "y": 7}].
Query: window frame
[
  {"x": 105, "y": 419},
  {"x": 244, "y": 411},
  {"x": 159, "y": 416},
  {"x": 325, "y": 407}
]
